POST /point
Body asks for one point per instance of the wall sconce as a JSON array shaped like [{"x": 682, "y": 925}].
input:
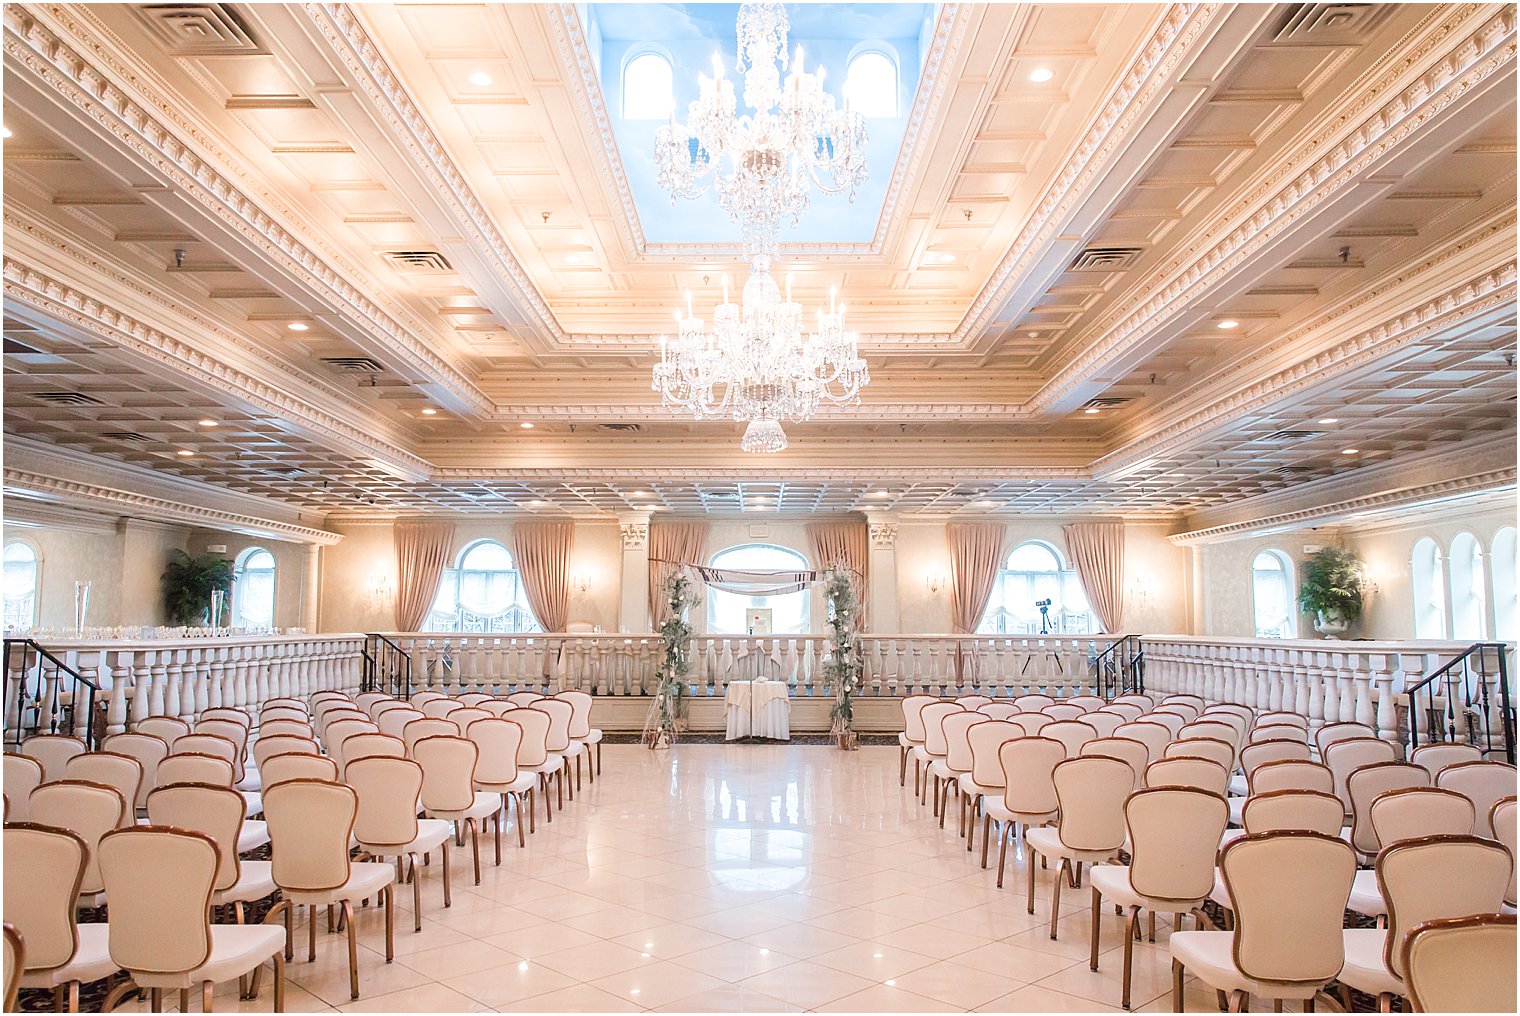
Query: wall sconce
[
  {"x": 381, "y": 591},
  {"x": 581, "y": 582},
  {"x": 1138, "y": 594},
  {"x": 934, "y": 582}
]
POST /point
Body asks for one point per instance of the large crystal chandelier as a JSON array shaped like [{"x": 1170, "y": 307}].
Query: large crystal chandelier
[
  {"x": 765, "y": 162},
  {"x": 758, "y": 362}
]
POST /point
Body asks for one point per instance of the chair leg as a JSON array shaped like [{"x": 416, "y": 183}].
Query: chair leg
[
  {"x": 559, "y": 782},
  {"x": 1176, "y": 986},
  {"x": 390, "y": 923},
  {"x": 115, "y": 995},
  {"x": 184, "y": 1000},
  {"x": 517, "y": 803},
  {"x": 155, "y": 1000},
  {"x": 279, "y": 982},
  {"x": 1385, "y": 1002},
  {"x": 902, "y": 766},
  {"x": 475, "y": 846},
  {"x": 311, "y": 933},
  {"x": 986, "y": 835},
  {"x": 1097, "y": 917},
  {"x": 74, "y": 996},
  {"x": 206, "y": 996},
  {"x": 416, "y": 896},
  {"x": 1240, "y": 1001},
  {"x": 448, "y": 881},
  {"x": 1002, "y": 850},
  {"x": 1055, "y": 897},
  {"x": 1129, "y": 955},
  {"x": 598, "y": 758},
  {"x": 1028, "y": 860}
]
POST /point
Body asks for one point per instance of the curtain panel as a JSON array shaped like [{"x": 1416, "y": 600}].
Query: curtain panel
[
  {"x": 976, "y": 554},
  {"x": 1097, "y": 550},
  {"x": 845, "y": 545},
  {"x": 422, "y": 553},
  {"x": 541, "y": 551},
  {"x": 671, "y": 544}
]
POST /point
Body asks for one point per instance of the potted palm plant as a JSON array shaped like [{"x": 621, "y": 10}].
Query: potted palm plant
[
  {"x": 188, "y": 583},
  {"x": 1332, "y": 590}
]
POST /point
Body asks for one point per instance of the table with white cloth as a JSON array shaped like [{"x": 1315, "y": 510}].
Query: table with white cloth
[{"x": 758, "y": 709}]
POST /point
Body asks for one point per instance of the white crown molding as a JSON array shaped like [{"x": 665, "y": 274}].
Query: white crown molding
[
  {"x": 153, "y": 127},
  {"x": 1473, "y": 45},
  {"x": 24, "y": 514},
  {"x": 30, "y": 287}
]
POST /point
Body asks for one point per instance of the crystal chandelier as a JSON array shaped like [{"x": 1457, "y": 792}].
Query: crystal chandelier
[
  {"x": 758, "y": 363},
  {"x": 765, "y": 162}
]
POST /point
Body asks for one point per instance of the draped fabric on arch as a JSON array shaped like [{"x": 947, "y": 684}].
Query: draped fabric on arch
[
  {"x": 1097, "y": 551},
  {"x": 541, "y": 551},
  {"x": 976, "y": 554},
  {"x": 844, "y": 545},
  {"x": 671, "y": 544},
  {"x": 422, "y": 553}
]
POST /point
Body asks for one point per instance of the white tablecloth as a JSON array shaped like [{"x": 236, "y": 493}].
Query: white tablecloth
[{"x": 758, "y": 709}]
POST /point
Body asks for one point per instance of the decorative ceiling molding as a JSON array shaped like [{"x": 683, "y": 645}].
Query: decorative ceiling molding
[
  {"x": 32, "y": 288},
  {"x": 1473, "y": 45},
  {"x": 155, "y": 130}
]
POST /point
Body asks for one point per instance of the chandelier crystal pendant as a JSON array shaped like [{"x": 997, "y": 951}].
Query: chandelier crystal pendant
[{"x": 764, "y": 163}]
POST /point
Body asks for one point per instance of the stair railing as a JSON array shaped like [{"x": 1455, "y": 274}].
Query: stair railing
[
  {"x": 1466, "y": 701},
  {"x": 45, "y": 695},
  {"x": 1119, "y": 667},
  {"x": 387, "y": 667}
]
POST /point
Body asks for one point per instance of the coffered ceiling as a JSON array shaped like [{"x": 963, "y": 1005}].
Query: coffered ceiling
[{"x": 1140, "y": 287}]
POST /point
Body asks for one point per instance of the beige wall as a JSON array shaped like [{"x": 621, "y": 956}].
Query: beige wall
[{"x": 289, "y": 568}]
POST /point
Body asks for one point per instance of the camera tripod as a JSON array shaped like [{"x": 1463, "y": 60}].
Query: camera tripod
[{"x": 1050, "y": 654}]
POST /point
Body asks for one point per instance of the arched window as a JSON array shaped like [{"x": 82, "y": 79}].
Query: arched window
[
  {"x": 870, "y": 84},
  {"x": 1427, "y": 580},
  {"x": 647, "y": 91},
  {"x": 1272, "y": 595},
  {"x": 253, "y": 589},
  {"x": 482, "y": 593},
  {"x": 1034, "y": 572},
  {"x": 1506, "y": 604},
  {"x": 1469, "y": 594},
  {"x": 20, "y": 586},
  {"x": 736, "y": 614}
]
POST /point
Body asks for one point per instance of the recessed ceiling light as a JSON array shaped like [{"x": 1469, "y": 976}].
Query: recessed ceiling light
[
  {"x": 1091, "y": 410},
  {"x": 298, "y": 326},
  {"x": 184, "y": 453},
  {"x": 526, "y": 425},
  {"x": 537, "y": 504},
  {"x": 480, "y": 79},
  {"x": 945, "y": 259},
  {"x": 207, "y": 423},
  {"x": 429, "y": 411},
  {"x": 1330, "y": 419},
  {"x": 986, "y": 504},
  {"x": 1041, "y": 74},
  {"x": 1229, "y": 323},
  {"x": 639, "y": 493},
  {"x": 1350, "y": 451},
  {"x": 5, "y": 132},
  {"x": 880, "y": 493},
  {"x": 572, "y": 259}
]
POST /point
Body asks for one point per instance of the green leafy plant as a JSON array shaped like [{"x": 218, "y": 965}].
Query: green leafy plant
[
  {"x": 843, "y": 670},
  {"x": 187, "y": 585},
  {"x": 1332, "y": 584}
]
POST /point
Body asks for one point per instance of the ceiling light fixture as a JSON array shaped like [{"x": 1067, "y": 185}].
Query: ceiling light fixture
[
  {"x": 5, "y": 132},
  {"x": 184, "y": 453},
  {"x": 1330, "y": 419},
  {"x": 1350, "y": 451},
  {"x": 1091, "y": 410},
  {"x": 480, "y": 79},
  {"x": 429, "y": 411},
  {"x": 298, "y": 326},
  {"x": 1040, "y": 75},
  {"x": 1229, "y": 323},
  {"x": 206, "y": 423},
  {"x": 526, "y": 425},
  {"x": 945, "y": 259},
  {"x": 572, "y": 259}
]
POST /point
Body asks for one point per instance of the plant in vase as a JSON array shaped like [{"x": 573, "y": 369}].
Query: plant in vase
[
  {"x": 1332, "y": 590},
  {"x": 188, "y": 583},
  {"x": 843, "y": 669},
  {"x": 665, "y": 712}
]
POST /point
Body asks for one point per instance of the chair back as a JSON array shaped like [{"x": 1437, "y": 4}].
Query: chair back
[
  {"x": 1414, "y": 812},
  {"x": 367, "y": 699},
  {"x": 1091, "y": 791},
  {"x": 1330, "y": 733},
  {"x": 931, "y": 717},
  {"x": 1279, "y": 717},
  {"x": 1072, "y": 734},
  {"x": 525, "y": 697},
  {"x": 1308, "y": 810},
  {"x": 220, "y": 726},
  {"x": 1128, "y": 710},
  {"x": 1031, "y": 723},
  {"x": 496, "y": 707},
  {"x": 1154, "y": 736},
  {"x": 1289, "y": 891},
  {"x": 1436, "y": 877},
  {"x": 160, "y": 883},
  {"x": 1502, "y": 818},
  {"x": 1244, "y": 716},
  {"x": 235, "y": 715},
  {"x": 1087, "y": 703},
  {"x": 1103, "y": 722},
  {"x": 559, "y": 712},
  {"x": 580, "y": 718},
  {"x": 194, "y": 767},
  {"x": 1208, "y": 726},
  {"x": 985, "y": 740},
  {"x": 1462, "y": 964},
  {"x": 369, "y": 745},
  {"x": 341, "y": 731},
  {"x": 428, "y": 726},
  {"x": 23, "y": 774},
  {"x": 1258, "y": 753},
  {"x": 498, "y": 742},
  {"x": 913, "y": 721},
  {"x": 471, "y": 699},
  {"x": 395, "y": 721},
  {"x": 389, "y": 791},
  {"x": 1174, "y": 834},
  {"x": 297, "y": 765},
  {"x": 273, "y": 714},
  {"x": 88, "y": 809},
  {"x": 283, "y": 728},
  {"x": 973, "y": 702},
  {"x": 149, "y": 752},
  {"x": 1029, "y": 765},
  {"x": 440, "y": 707},
  {"x": 1186, "y": 710},
  {"x": 206, "y": 744},
  {"x": 1278, "y": 732},
  {"x": 44, "y": 869},
  {"x": 383, "y": 706},
  {"x": 1436, "y": 757},
  {"x": 1485, "y": 784},
  {"x": 120, "y": 771},
  {"x": 533, "y": 750},
  {"x": 956, "y": 729},
  {"x": 1171, "y": 721},
  {"x": 419, "y": 699},
  {"x": 448, "y": 771},
  {"x": 1211, "y": 748},
  {"x": 170, "y": 728},
  {"x": 1140, "y": 700},
  {"x": 1182, "y": 771},
  {"x": 310, "y": 825},
  {"x": 1063, "y": 711},
  {"x": 1293, "y": 775},
  {"x": 335, "y": 716},
  {"x": 1131, "y": 753},
  {"x": 1346, "y": 756},
  {"x": 1366, "y": 785},
  {"x": 1196, "y": 701},
  {"x": 217, "y": 812},
  {"x": 53, "y": 752},
  {"x": 1033, "y": 703},
  {"x": 270, "y": 745},
  {"x": 998, "y": 710}
]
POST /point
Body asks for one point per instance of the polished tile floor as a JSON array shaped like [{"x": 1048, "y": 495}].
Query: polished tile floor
[{"x": 734, "y": 878}]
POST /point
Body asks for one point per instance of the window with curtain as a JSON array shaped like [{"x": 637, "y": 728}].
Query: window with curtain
[
  {"x": 1427, "y": 580},
  {"x": 871, "y": 84},
  {"x": 729, "y": 613},
  {"x": 1033, "y": 572},
  {"x": 482, "y": 594},
  {"x": 1272, "y": 596},
  {"x": 20, "y": 586},
  {"x": 647, "y": 93},
  {"x": 1469, "y": 592},
  {"x": 1506, "y": 604},
  {"x": 253, "y": 589}
]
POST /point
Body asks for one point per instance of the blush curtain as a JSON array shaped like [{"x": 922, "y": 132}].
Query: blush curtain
[
  {"x": 976, "y": 554},
  {"x": 671, "y": 544},
  {"x": 422, "y": 552},
  {"x": 541, "y": 551},
  {"x": 844, "y": 545},
  {"x": 1097, "y": 551}
]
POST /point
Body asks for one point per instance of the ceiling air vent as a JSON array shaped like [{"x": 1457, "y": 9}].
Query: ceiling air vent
[
  {"x": 1288, "y": 436},
  {"x": 198, "y": 29},
  {"x": 1292, "y": 472},
  {"x": 67, "y": 399},
  {"x": 620, "y": 428},
  {"x": 357, "y": 364},
  {"x": 723, "y": 495},
  {"x": 1330, "y": 24},
  {"x": 426, "y": 261},
  {"x": 1107, "y": 403},
  {"x": 1106, "y": 259},
  {"x": 129, "y": 436}
]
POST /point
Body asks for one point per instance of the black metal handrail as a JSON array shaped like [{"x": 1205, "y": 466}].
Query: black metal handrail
[
  {"x": 1458, "y": 702},
  {"x": 63, "y": 716},
  {"x": 1119, "y": 667},
  {"x": 386, "y": 661}
]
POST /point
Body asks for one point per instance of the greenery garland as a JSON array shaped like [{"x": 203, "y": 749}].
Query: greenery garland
[
  {"x": 842, "y": 672},
  {"x": 675, "y": 667}
]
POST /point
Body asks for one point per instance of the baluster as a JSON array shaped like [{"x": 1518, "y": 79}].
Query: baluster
[{"x": 1361, "y": 677}]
